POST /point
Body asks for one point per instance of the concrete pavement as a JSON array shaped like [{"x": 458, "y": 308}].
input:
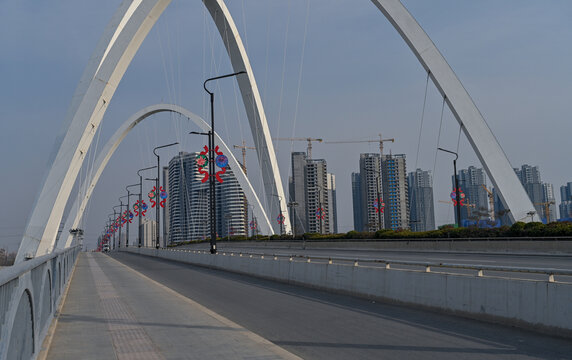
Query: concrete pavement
[
  {"x": 319, "y": 325},
  {"x": 114, "y": 312}
]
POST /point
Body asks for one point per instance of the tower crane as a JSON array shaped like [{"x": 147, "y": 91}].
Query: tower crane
[
  {"x": 491, "y": 202},
  {"x": 381, "y": 141},
  {"x": 309, "y": 140},
  {"x": 243, "y": 147},
  {"x": 546, "y": 208}
]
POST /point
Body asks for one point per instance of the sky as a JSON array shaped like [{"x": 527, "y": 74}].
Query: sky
[{"x": 330, "y": 69}]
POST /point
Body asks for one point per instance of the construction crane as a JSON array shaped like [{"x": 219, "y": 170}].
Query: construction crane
[
  {"x": 309, "y": 140},
  {"x": 380, "y": 141},
  {"x": 546, "y": 208},
  {"x": 491, "y": 202},
  {"x": 243, "y": 147},
  {"x": 469, "y": 206}
]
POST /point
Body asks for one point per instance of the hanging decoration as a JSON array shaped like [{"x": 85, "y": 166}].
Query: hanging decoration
[
  {"x": 127, "y": 216},
  {"x": 378, "y": 205},
  {"x": 153, "y": 196},
  {"x": 280, "y": 219},
  {"x": 454, "y": 197},
  {"x": 252, "y": 224},
  {"x": 320, "y": 213},
  {"x": 140, "y": 207},
  {"x": 202, "y": 162},
  {"x": 163, "y": 195}
]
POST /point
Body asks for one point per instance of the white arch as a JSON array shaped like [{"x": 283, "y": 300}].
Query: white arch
[
  {"x": 78, "y": 208},
  {"x": 121, "y": 40},
  {"x": 117, "y": 47},
  {"x": 476, "y": 130}
]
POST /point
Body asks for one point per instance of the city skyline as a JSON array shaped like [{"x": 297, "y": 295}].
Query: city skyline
[{"x": 507, "y": 57}]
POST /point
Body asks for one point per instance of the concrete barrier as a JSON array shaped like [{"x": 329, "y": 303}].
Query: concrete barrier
[
  {"x": 554, "y": 245},
  {"x": 540, "y": 305},
  {"x": 30, "y": 293}
]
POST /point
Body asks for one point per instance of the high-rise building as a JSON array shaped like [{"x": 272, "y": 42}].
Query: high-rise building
[
  {"x": 395, "y": 191},
  {"x": 149, "y": 232},
  {"x": 421, "y": 205},
  {"x": 313, "y": 189},
  {"x": 528, "y": 174},
  {"x": 231, "y": 201},
  {"x": 371, "y": 193},
  {"x": 189, "y": 202},
  {"x": 541, "y": 194},
  {"x": 297, "y": 189},
  {"x": 356, "y": 197},
  {"x": 472, "y": 183},
  {"x": 317, "y": 199},
  {"x": 165, "y": 210},
  {"x": 566, "y": 192},
  {"x": 548, "y": 203},
  {"x": 332, "y": 205},
  {"x": 566, "y": 201}
]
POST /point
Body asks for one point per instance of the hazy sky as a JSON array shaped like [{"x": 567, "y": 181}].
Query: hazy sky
[{"x": 328, "y": 69}]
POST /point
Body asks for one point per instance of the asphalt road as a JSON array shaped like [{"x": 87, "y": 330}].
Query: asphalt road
[{"x": 318, "y": 325}]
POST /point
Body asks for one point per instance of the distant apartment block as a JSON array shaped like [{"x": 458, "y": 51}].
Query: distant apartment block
[
  {"x": 395, "y": 191},
  {"x": 370, "y": 193},
  {"x": 472, "y": 183},
  {"x": 421, "y": 205},
  {"x": 313, "y": 189}
]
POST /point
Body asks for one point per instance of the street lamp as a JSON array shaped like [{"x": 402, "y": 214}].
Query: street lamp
[
  {"x": 211, "y": 160},
  {"x": 141, "y": 200},
  {"x": 280, "y": 216},
  {"x": 157, "y": 192},
  {"x": 110, "y": 220},
  {"x": 292, "y": 205},
  {"x": 120, "y": 216},
  {"x": 115, "y": 217},
  {"x": 457, "y": 196},
  {"x": 320, "y": 206},
  {"x": 129, "y": 213}
]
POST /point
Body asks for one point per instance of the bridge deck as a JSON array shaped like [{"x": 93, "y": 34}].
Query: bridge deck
[{"x": 114, "y": 312}]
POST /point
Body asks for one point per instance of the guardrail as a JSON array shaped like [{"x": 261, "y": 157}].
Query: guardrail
[
  {"x": 30, "y": 293},
  {"x": 478, "y": 269}
]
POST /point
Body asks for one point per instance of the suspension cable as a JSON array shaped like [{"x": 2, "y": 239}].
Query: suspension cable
[
  {"x": 438, "y": 140},
  {"x": 422, "y": 118}
]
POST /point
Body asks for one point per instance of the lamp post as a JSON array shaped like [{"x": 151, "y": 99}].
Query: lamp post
[
  {"x": 457, "y": 196},
  {"x": 141, "y": 201},
  {"x": 157, "y": 192},
  {"x": 155, "y": 181},
  {"x": 320, "y": 206},
  {"x": 211, "y": 161},
  {"x": 119, "y": 227},
  {"x": 129, "y": 213},
  {"x": 110, "y": 220},
  {"x": 120, "y": 215},
  {"x": 292, "y": 205},
  {"x": 280, "y": 216}
]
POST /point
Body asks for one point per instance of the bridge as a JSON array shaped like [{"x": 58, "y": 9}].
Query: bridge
[
  {"x": 301, "y": 300},
  {"x": 279, "y": 300}
]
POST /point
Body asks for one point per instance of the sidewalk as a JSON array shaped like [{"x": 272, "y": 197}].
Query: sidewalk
[{"x": 114, "y": 312}]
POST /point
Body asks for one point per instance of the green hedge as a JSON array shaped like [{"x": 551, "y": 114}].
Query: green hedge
[{"x": 519, "y": 229}]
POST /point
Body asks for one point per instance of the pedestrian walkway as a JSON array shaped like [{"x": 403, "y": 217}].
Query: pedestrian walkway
[{"x": 113, "y": 312}]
